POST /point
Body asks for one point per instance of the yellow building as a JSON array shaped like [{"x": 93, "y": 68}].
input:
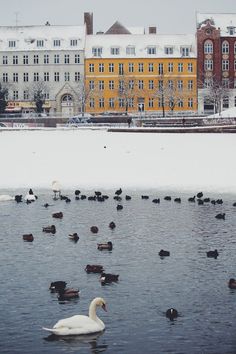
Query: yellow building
[{"x": 131, "y": 71}]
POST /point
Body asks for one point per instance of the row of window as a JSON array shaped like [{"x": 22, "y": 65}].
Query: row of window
[
  {"x": 226, "y": 83},
  {"x": 46, "y": 76},
  {"x": 14, "y": 95},
  {"x": 131, "y": 102},
  {"x": 225, "y": 47},
  {"x": 225, "y": 64},
  {"x": 57, "y": 59},
  {"x": 140, "y": 67},
  {"x": 40, "y": 43},
  {"x": 131, "y": 85},
  {"x": 150, "y": 50}
]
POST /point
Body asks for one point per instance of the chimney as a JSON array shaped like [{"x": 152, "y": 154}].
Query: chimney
[
  {"x": 152, "y": 30},
  {"x": 88, "y": 20}
]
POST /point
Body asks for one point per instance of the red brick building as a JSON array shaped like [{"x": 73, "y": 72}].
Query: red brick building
[{"x": 216, "y": 48}]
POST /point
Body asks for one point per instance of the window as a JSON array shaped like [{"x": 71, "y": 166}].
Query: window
[
  {"x": 225, "y": 83},
  {"x": 5, "y": 60},
  {"x": 121, "y": 102},
  {"x": 121, "y": 86},
  {"x": 150, "y": 102},
  {"x": 111, "y": 103},
  {"x": 159, "y": 102},
  {"x": 234, "y": 47},
  {"x": 190, "y": 103},
  {"x": 15, "y": 77},
  {"x": 190, "y": 67},
  {"x": 39, "y": 43},
  {"x": 56, "y": 42},
  {"x": 26, "y": 95},
  {"x": 235, "y": 65},
  {"x": 169, "y": 50},
  {"x": 15, "y": 60},
  {"x": 121, "y": 69},
  {"x": 160, "y": 68},
  {"x": 208, "y": 47},
  {"x": 36, "y": 76},
  {"x": 12, "y": 44},
  {"x": 131, "y": 84},
  {"x": 73, "y": 42},
  {"x": 225, "y": 102},
  {"x": 225, "y": 65},
  {"x": 101, "y": 68},
  {"x": 130, "y": 102},
  {"x": 140, "y": 84},
  {"x": 231, "y": 30},
  {"x": 131, "y": 67},
  {"x": 151, "y": 50},
  {"x": 97, "y": 51},
  {"x": 91, "y": 103},
  {"x": 67, "y": 59},
  {"x": 36, "y": 59},
  {"x": 25, "y": 59},
  {"x": 67, "y": 76},
  {"x": 101, "y": 85},
  {"x": 151, "y": 67},
  {"x": 91, "y": 68},
  {"x": 180, "y": 67},
  {"x": 170, "y": 84},
  {"x": 111, "y": 68},
  {"x": 151, "y": 84},
  {"x": 101, "y": 102},
  {"x": 57, "y": 76},
  {"x": 115, "y": 50},
  {"x": 111, "y": 85},
  {"x": 185, "y": 51},
  {"x": 15, "y": 95},
  {"x": 160, "y": 84},
  {"x": 77, "y": 76},
  {"x": 46, "y": 59},
  {"x": 77, "y": 58},
  {"x": 91, "y": 85},
  {"x": 208, "y": 83},
  {"x": 208, "y": 65},
  {"x": 130, "y": 50},
  {"x": 225, "y": 47},
  {"x": 180, "y": 85},
  {"x": 180, "y": 103},
  {"x": 46, "y": 76},
  {"x": 5, "y": 77},
  {"x": 46, "y": 95},
  {"x": 234, "y": 101},
  {"x": 56, "y": 59},
  {"x": 234, "y": 83},
  {"x": 140, "y": 67},
  {"x": 170, "y": 67},
  {"x": 190, "y": 85},
  {"x": 26, "y": 77}
]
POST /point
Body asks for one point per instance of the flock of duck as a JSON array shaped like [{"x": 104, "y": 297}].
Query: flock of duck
[{"x": 80, "y": 324}]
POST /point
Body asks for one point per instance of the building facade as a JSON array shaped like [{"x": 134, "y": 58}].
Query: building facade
[
  {"x": 127, "y": 70},
  {"x": 47, "y": 58},
  {"x": 216, "y": 46}
]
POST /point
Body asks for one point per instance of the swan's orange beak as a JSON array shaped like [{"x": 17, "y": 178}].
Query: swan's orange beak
[{"x": 104, "y": 307}]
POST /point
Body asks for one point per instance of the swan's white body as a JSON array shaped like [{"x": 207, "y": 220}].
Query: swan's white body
[
  {"x": 80, "y": 324},
  {"x": 6, "y": 198},
  {"x": 30, "y": 197},
  {"x": 56, "y": 188}
]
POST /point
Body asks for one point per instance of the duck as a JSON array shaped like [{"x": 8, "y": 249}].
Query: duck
[
  {"x": 58, "y": 215},
  {"x": 105, "y": 246},
  {"x": 107, "y": 278},
  {"x": 50, "y": 229},
  {"x": 28, "y": 237},
  {"x": 118, "y": 191},
  {"x": 112, "y": 225},
  {"x": 163, "y": 253},
  {"x": 80, "y": 324},
  {"x": 199, "y": 195},
  {"x": 156, "y": 200},
  {"x": 74, "y": 237},
  {"x": 220, "y": 216},
  {"x": 94, "y": 229},
  {"x": 67, "y": 294},
  {"x": 192, "y": 199},
  {"x": 94, "y": 268},
  {"x": 119, "y": 207},
  {"x": 56, "y": 286},
  {"x": 167, "y": 197},
  {"x": 213, "y": 254},
  {"x": 232, "y": 283},
  {"x": 171, "y": 313}
]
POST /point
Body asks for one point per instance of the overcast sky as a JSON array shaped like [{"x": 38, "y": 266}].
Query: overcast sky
[{"x": 169, "y": 16}]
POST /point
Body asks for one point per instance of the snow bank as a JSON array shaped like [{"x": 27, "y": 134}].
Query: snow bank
[{"x": 93, "y": 159}]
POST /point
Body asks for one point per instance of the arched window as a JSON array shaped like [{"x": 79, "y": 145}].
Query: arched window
[
  {"x": 225, "y": 47},
  {"x": 234, "y": 47},
  {"x": 66, "y": 98},
  {"x": 208, "y": 47}
]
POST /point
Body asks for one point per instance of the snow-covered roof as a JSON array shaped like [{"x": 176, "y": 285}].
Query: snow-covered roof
[
  {"x": 26, "y": 37},
  {"x": 222, "y": 21},
  {"x": 141, "y": 43}
]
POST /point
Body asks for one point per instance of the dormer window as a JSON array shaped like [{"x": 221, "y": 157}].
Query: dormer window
[
  {"x": 12, "y": 44},
  {"x": 97, "y": 51},
  {"x": 115, "y": 50},
  {"x": 169, "y": 50},
  {"x": 130, "y": 50},
  {"x": 185, "y": 51},
  {"x": 56, "y": 43},
  {"x": 231, "y": 30},
  {"x": 40, "y": 43},
  {"x": 151, "y": 50},
  {"x": 73, "y": 42}
]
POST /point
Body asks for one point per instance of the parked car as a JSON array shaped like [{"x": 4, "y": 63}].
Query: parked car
[
  {"x": 79, "y": 120},
  {"x": 2, "y": 125}
]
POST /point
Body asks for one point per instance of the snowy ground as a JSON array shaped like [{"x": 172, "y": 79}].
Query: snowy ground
[{"x": 93, "y": 159}]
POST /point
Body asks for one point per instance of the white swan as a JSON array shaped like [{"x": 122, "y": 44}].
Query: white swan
[
  {"x": 6, "y": 198},
  {"x": 56, "y": 188},
  {"x": 80, "y": 324}
]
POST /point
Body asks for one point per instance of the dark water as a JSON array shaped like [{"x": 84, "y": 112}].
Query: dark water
[{"x": 135, "y": 321}]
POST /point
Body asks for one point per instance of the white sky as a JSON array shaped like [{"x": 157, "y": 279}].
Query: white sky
[{"x": 169, "y": 16}]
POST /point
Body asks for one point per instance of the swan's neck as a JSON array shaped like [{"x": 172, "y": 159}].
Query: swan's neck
[{"x": 92, "y": 311}]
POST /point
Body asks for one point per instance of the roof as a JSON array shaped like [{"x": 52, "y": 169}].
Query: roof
[
  {"x": 141, "y": 43},
  {"x": 117, "y": 28},
  {"x": 26, "y": 37},
  {"x": 222, "y": 21}
]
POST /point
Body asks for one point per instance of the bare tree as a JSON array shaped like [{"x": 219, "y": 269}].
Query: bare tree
[
  {"x": 86, "y": 90},
  {"x": 3, "y": 100},
  {"x": 127, "y": 90},
  {"x": 37, "y": 95}
]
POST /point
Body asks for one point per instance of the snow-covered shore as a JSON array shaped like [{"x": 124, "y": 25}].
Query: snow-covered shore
[{"x": 94, "y": 158}]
